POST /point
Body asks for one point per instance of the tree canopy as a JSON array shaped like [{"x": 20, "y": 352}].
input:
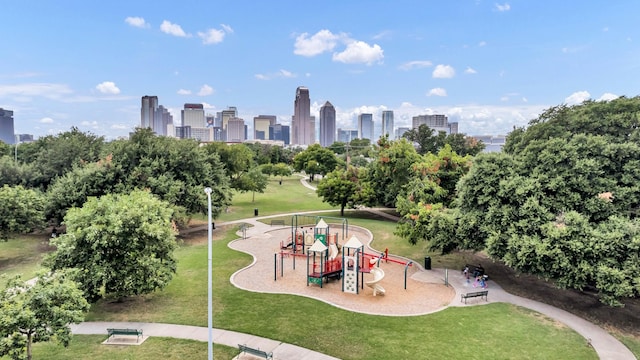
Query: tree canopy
[
  {"x": 121, "y": 243},
  {"x": 21, "y": 210},
  {"x": 345, "y": 187},
  {"x": 38, "y": 311},
  {"x": 563, "y": 200},
  {"x": 315, "y": 160}
]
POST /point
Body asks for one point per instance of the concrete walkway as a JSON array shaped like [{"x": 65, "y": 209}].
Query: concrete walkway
[{"x": 606, "y": 346}]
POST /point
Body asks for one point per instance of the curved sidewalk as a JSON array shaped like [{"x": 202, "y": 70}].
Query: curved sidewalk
[{"x": 225, "y": 337}]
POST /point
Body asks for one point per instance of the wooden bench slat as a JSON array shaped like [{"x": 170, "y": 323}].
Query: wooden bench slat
[{"x": 474, "y": 294}]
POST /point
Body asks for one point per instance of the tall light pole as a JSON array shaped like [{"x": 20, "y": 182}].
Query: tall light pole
[{"x": 210, "y": 279}]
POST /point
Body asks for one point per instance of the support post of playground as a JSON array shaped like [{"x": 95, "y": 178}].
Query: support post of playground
[
  {"x": 405, "y": 274},
  {"x": 210, "y": 278}
]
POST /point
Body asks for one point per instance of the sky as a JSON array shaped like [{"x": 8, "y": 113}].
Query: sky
[{"x": 490, "y": 66}]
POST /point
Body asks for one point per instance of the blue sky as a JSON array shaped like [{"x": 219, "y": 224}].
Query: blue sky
[{"x": 488, "y": 65}]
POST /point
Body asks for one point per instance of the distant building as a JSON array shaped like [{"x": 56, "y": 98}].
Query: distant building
[
  {"x": 154, "y": 116},
  {"x": 492, "y": 143},
  {"x": 193, "y": 115},
  {"x": 436, "y": 122},
  {"x": 24, "y": 138},
  {"x": 279, "y": 132},
  {"x": 303, "y": 125},
  {"x": 222, "y": 118},
  {"x": 236, "y": 130},
  {"x": 261, "y": 125},
  {"x": 327, "y": 124},
  {"x": 7, "y": 132},
  {"x": 400, "y": 131},
  {"x": 365, "y": 126},
  {"x": 346, "y": 135},
  {"x": 387, "y": 124}
]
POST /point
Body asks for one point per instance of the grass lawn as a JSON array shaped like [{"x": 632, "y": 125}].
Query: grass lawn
[
  {"x": 22, "y": 255},
  {"x": 90, "y": 347}
]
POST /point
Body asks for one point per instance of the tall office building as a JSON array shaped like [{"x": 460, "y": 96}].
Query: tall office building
[
  {"x": 303, "y": 125},
  {"x": 387, "y": 124},
  {"x": 162, "y": 120},
  {"x": 279, "y": 132},
  {"x": 193, "y": 115},
  {"x": 236, "y": 130},
  {"x": 327, "y": 124},
  {"x": 400, "y": 131},
  {"x": 365, "y": 126},
  {"x": 261, "y": 125},
  {"x": 7, "y": 132},
  {"x": 436, "y": 122},
  {"x": 346, "y": 135},
  {"x": 148, "y": 111},
  {"x": 222, "y": 117}
]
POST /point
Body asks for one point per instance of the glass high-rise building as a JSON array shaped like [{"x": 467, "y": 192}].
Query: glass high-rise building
[
  {"x": 279, "y": 132},
  {"x": 7, "y": 131},
  {"x": 327, "y": 124},
  {"x": 365, "y": 126},
  {"x": 148, "y": 111},
  {"x": 261, "y": 125},
  {"x": 387, "y": 124},
  {"x": 303, "y": 125},
  {"x": 436, "y": 122}
]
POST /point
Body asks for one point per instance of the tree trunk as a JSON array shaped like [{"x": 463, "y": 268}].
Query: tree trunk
[
  {"x": 29, "y": 355},
  {"x": 342, "y": 210},
  {"x": 253, "y": 196}
]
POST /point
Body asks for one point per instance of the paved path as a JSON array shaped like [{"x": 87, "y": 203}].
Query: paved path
[{"x": 606, "y": 346}]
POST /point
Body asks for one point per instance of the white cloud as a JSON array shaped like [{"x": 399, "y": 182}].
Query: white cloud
[
  {"x": 524, "y": 99},
  {"x": 205, "y": 90},
  {"x": 208, "y": 106},
  {"x": 608, "y": 97},
  {"x": 444, "y": 72},
  {"x": 504, "y": 98},
  {"x": 322, "y": 41},
  {"x": 92, "y": 124},
  {"x": 227, "y": 28},
  {"x": 360, "y": 52},
  {"x": 46, "y": 120},
  {"x": 184, "y": 92},
  {"x": 503, "y": 7},
  {"x": 173, "y": 29},
  {"x": 213, "y": 36},
  {"x": 120, "y": 127},
  {"x": 108, "y": 87},
  {"x": 416, "y": 64},
  {"x": 280, "y": 74},
  {"x": 605, "y": 29},
  {"x": 577, "y": 97},
  {"x": 437, "y": 92},
  {"x": 470, "y": 70},
  {"x": 482, "y": 43},
  {"x": 49, "y": 90},
  {"x": 136, "y": 22}
]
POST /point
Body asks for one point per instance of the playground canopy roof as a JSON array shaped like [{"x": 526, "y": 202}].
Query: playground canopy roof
[
  {"x": 318, "y": 246},
  {"x": 353, "y": 243},
  {"x": 321, "y": 224}
]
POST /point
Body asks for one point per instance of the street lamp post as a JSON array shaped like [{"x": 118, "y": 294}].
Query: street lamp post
[{"x": 210, "y": 279}]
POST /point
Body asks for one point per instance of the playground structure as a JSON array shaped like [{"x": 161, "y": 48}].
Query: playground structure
[{"x": 327, "y": 259}]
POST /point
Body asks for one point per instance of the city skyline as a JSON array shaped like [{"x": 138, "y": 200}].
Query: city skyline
[{"x": 487, "y": 66}]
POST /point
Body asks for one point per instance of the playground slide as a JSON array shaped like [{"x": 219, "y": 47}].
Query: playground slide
[
  {"x": 378, "y": 274},
  {"x": 333, "y": 251}
]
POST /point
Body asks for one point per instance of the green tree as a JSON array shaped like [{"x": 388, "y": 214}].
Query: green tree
[
  {"x": 315, "y": 160},
  {"x": 55, "y": 155},
  {"x": 253, "y": 180},
  {"x": 390, "y": 170},
  {"x": 122, "y": 244},
  {"x": 21, "y": 210},
  {"x": 175, "y": 170},
  {"x": 344, "y": 188},
  {"x": 38, "y": 312}
]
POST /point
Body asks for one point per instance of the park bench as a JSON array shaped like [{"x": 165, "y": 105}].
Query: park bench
[
  {"x": 256, "y": 352},
  {"x": 131, "y": 332},
  {"x": 277, "y": 222},
  {"x": 479, "y": 294}
]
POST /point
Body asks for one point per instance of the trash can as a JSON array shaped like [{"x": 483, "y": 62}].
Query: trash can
[
  {"x": 255, "y": 212},
  {"x": 427, "y": 263}
]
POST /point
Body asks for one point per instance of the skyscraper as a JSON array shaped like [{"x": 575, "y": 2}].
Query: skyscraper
[
  {"x": 365, "y": 126},
  {"x": 261, "y": 125},
  {"x": 327, "y": 124},
  {"x": 279, "y": 132},
  {"x": 236, "y": 130},
  {"x": 303, "y": 125},
  {"x": 387, "y": 124},
  {"x": 223, "y": 118},
  {"x": 7, "y": 133},
  {"x": 148, "y": 111},
  {"x": 436, "y": 122},
  {"x": 193, "y": 115}
]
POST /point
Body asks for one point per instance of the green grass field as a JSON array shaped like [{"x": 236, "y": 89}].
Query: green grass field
[{"x": 494, "y": 331}]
